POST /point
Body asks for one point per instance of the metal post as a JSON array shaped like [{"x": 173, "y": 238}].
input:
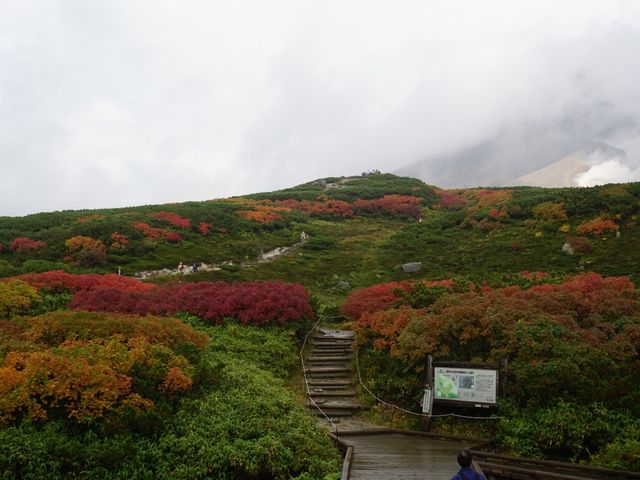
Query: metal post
[
  {"x": 427, "y": 397},
  {"x": 504, "y": 363}
]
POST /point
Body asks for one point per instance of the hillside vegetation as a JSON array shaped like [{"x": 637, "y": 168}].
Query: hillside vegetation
[
  {"x": 361, "y": 230},
  {"x": 108, "y": 375}
]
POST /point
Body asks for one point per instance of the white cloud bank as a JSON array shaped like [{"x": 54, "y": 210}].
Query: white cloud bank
[{"x": 113, "y": 103}]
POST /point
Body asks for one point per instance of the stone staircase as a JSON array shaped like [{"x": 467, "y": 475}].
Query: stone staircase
[{"x": 329, "y": 372}]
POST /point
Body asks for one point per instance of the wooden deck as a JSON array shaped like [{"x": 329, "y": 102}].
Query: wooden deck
[{"x": 396, "y": 456}]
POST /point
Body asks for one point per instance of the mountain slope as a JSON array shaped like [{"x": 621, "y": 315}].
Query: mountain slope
[{"x": 567, "y": 171}]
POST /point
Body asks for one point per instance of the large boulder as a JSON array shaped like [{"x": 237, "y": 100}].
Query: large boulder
[
  {"x": 412, "y": 267},
  {"x": 567, "y": 248}
]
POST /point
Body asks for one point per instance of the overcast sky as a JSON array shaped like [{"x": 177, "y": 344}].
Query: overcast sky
[{"x": 108, "y": 103}]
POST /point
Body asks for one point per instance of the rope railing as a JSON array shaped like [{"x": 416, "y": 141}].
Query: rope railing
[{"x": 409, "y": 412}]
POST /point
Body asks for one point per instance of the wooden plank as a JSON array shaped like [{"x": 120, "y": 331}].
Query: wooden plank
[{"x": 396, "y": 456}]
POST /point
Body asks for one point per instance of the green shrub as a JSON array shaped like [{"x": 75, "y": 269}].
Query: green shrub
[
  {"x": 251, "y": 427},
  {"x": 568, "y": 430},
  {"x": 320, "y": 243}
]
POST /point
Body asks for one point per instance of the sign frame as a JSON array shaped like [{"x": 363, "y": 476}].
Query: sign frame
[{"x": 466, "y": 366}]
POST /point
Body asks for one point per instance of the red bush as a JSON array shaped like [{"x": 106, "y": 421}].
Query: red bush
[
  {"x": 330, "y": 208},
  {"x": 381, "y": 296},
  {"x": 173, "y": 237},
  {"x": 256, "y": 303},
  {"x": 155, "y": 234},
  {"x": 580, "y": 245},
  {"x": 171, "y": 218},
  {"x": 581, "y": 304},
  {"x": 59, "y": 280},
  {"x": 404, "y": 205},
  {"x": 204, "y": 228},
  {"x": 25, "y": 244},
  {"x": 450, "y": 201}
]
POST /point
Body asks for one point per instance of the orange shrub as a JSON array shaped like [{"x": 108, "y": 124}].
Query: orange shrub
[
  {"x": 86, "y": 366},
  {"x": 597, "y": 226},
  {"x": 259, "y": 216},
  {"x": 119, "y": 241},
  {"x": 85, "y": 251}
]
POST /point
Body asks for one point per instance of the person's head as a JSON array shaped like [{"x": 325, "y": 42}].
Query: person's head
[{"x": 464, "y": 458}]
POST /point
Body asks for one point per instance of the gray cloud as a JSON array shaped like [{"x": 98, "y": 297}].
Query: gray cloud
[{"x": 112, "y": 103}]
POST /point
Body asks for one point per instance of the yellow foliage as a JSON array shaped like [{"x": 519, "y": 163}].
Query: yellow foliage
[{"x": 16, "y": 298}]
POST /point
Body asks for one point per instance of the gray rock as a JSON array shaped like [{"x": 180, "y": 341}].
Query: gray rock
[
  {"x": 343, "y": 285},
  {"x": 567, "y": 248},
  {"x": 412, "y": 267}
]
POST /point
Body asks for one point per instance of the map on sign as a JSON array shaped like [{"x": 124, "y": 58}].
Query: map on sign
[{"x": 466, "y": 384}]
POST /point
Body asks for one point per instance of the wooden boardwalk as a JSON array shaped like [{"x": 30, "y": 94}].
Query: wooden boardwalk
[{"x": 396, "y": 456}]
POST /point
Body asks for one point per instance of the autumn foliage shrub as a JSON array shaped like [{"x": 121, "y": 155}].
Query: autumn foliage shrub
[
  {"x": 86, "y": 366},
  {"x": 59, "y": 281},
  {"x": 85, "y": 251},
  {"x": 597, "y": 226},
  {"x": 550, "y": 212},
  {"x": 580, "y": 245},
  {"x": 325, "y": 208},
  {"x": 382, "y": 296},
  {"x": 16, "y": 297},
  {"x": 401, "y": 205},
  {"x": 204, "y": 228},
  {"x": 255, "y": 303},
  {"x": 172, "y": 219},
  {"x": 561, "y": 339},
  {"x": 25, "y": 244},
  {"x": 259, "y": 216},
  {"x": 119, "y": 241},
  {"x": 450, "y": 200},
  {"x": 155, "y": 234}
]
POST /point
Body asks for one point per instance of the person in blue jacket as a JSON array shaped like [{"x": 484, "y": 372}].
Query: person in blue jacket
[{"x": 466, "y": 472}]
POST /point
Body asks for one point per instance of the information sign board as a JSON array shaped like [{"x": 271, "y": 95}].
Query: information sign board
[{"x": 472, "y": 385}]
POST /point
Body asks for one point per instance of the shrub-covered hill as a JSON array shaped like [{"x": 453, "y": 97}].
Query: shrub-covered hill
[
  {"x": 235, "y": 229},
  {"x": 361, "y": 230}
]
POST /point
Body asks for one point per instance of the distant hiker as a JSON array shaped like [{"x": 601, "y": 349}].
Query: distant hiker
[
  {"x": 180, "y": 267},
  {"x": 194, "y": 267},
  {"x": 466, "y": 471},
  {"x": 119, "y": 271}
]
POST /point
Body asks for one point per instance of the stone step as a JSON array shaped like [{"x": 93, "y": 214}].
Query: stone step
[
  {"x": 329, "y": 405},
  {"x": 335, "y": 340},
  {"x": 327, "y": 389},
  {"x": 329, "y": 358},
  {"x": 329, "y": 376},
  {"x": 330, "y": 349},
  {"x": 343, "y": 352},
  {"x": 328, "y": 383},
  {"x": 328, "y": 365},
  {"x": 333, "y": 393},
  {"x": 335, "y": 333},
  {"x": 333, "y": 414},
  {"x": 320, "y": 370}
]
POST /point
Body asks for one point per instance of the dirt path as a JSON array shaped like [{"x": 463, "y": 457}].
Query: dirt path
[{"x": 265, "y": 257}]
